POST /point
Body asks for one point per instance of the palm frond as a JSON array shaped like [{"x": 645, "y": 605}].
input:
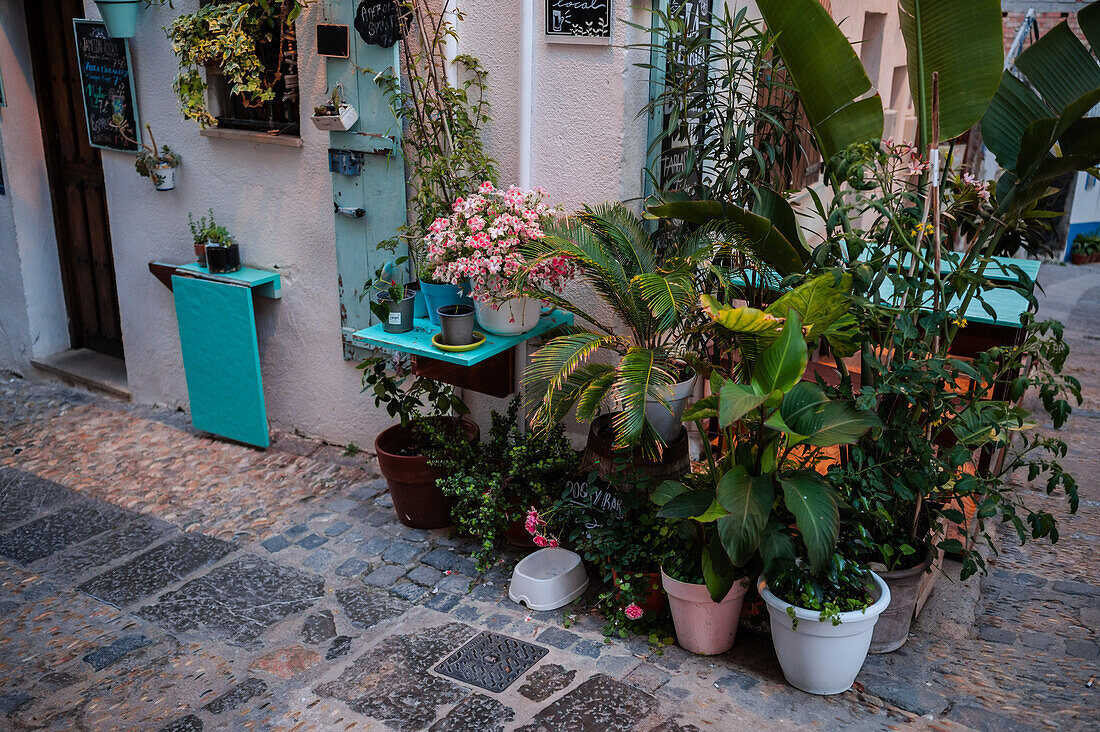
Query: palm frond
[{"x": 641, "y": 377}]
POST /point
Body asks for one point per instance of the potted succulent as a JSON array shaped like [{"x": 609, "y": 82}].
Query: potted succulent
[
  {"x": 1080, "y": 252},
  {"x": 157, "y": 165},
  {"x": 482, "y": 242},
  {"x": 394, "y": 306},
  {"x": 335, "y": 115},
  {"x": 120, "y": 16},
  {"x": 201, "y": 232},
  {"x": 221, "y": 254}
]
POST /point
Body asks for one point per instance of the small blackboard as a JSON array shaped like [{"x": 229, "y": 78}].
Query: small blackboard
[
  {"x": 578, "y": 21},
  {"x": 107, "y": 83},
  {"x": 596, "y": 496},
  {"x": 333, "y": 40},
  {"x": 382, "y": 22}
]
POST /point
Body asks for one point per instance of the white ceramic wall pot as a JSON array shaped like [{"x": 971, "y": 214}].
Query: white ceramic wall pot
[
  {"x": 511, "y": 317},
  {"x": 548, "y": 579},
  {"x": 336, "y": 122},
  {"x": 164, "y": 178},
  {"x": 702, "y": 625},
  {"x": 667, "y": 421},
  {"x": 819, "y": 657}
]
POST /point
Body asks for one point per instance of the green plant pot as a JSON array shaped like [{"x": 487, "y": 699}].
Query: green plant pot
[{"x": 120, "y": 16}]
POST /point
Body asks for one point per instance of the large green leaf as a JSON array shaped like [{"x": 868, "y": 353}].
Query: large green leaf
[
  {"x": 641, "y": 377},
  {"x": 963, "y": 42},
  {"x": 741, "y": 320},
  {"x": 688, "y": 504},
  {"x": 821, "y": 302},
  {"x": 666, "y": 491},
  {"x": 735, "y": 401},
  {"x": 832, "y": 84},
  {"x": 776, "y": 548},
  {"x": 786, "y": 254},
  {"x": 705, "y": 408},
  {"x": 749, "y": 502},
  {"x": 816, "y": 513},
  {"x": 718, "y": 573},
  {"x": 782, "y": 364}
]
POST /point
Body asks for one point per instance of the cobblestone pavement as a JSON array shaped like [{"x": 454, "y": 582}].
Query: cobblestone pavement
[{"x": 153, "y": 578}]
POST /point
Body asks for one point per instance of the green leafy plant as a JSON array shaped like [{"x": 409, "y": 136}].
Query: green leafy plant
[
  {"x": 841, "y": 585},
  {"x": 406, "y": 396},
  {"x": 149, "y": 158},
  {"x": 496, "y": 482},
  {"x": 207, "y": 231},
  {"x": 331, "y": 108}
]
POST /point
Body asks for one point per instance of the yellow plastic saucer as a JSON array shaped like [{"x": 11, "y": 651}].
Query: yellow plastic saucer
[{"x": 437, "y": 341}]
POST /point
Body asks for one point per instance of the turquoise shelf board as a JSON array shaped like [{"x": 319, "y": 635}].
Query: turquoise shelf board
[
  {"x": 221, "y": 354},
  {"x": 418, "y": 341},
  {"x": 266, "y": 284},
  {"x": 1008, "y": 305},
  {"x": 999, "y": 269}
]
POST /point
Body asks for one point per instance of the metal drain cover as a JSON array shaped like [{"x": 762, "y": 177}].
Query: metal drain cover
[{"x": 491, "y": 661}]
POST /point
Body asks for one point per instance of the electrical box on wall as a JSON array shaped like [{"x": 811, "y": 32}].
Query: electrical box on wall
[{"x": 345, "y": 162}]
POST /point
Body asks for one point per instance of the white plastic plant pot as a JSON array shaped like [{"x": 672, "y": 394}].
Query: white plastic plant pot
[
  {"x": 667, "y": 423},
  {"x": 819, "y": 657},
  {"x": 511, "y": 317},
  {"x": 341, "y": 122},
  {"x": 164, "y": 178},
  {"x": 548, "y": 579}
]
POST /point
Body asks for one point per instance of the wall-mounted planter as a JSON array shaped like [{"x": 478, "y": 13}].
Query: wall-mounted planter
[
  {"x": 222, "y": 260},
  {"x": 120, "y": 16},
  {"x": 341, "y": 122},
  {"x": 164, "y": 177}
]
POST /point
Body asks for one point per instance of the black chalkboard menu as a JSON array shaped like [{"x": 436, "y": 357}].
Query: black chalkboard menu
[
  {"x": 382, "y": 22},
  {"x": 578, "y": 21},
  {"x": 107, "y": 82}
]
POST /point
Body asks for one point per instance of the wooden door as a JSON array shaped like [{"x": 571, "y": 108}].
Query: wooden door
[{"x": 76, "y": 179}]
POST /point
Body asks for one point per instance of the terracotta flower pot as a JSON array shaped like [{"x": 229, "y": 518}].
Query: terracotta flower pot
[
  {"x": 654, "y": 602},
  {"x": 702, "y": 625},
  {"x": 1079, "y": 258},
  {"x": 417, "y": 500},
  {"x": 892, "y": 628},
  {"x": 200, "y": 253}
]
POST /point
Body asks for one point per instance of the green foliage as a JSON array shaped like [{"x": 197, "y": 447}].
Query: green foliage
[
  {"x": 148, "y": 158},
  {"x": 406, "y": 396},
  {"x": 494, "y": 483},
  {"x": 207, "y": 231},
  {"x": 840, "y": 585},
  {"x": 1086, "y": 243},
  {"x": 442, "y": 125}
]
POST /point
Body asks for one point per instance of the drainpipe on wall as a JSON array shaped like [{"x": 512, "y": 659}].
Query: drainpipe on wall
[
  {"x": 526, "y": 82},
  {"x": 450, "y": 45}
]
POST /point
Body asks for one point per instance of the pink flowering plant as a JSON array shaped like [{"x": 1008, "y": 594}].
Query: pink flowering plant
[{"x": 482, "y": 241}]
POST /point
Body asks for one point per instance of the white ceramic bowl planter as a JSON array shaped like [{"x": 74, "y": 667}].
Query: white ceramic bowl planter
[
  {"x": 511, "y": 317},
  {"x": 819, "y": 657},
  {"x": 341, "y": 122}
]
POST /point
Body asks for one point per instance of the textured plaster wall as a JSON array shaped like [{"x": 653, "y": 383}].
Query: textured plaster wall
[{"x": 33, "y": 320}]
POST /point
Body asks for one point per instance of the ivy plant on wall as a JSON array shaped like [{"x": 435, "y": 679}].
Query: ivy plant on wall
[{"x": 227, "y": 35}]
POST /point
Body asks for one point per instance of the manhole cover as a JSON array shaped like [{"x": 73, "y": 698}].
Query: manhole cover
[{"x": 491, "y": 661}]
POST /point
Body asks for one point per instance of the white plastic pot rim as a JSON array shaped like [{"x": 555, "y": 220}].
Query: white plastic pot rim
[{"x": 814, "y": 616}]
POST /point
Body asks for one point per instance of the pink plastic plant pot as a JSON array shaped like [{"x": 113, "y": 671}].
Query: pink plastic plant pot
[{"x": 704, "y": 626}]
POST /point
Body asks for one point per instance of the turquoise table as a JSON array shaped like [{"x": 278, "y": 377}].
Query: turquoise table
[
  {"x": 221, "y": 354},
  {"x": 418, "y": 341}
]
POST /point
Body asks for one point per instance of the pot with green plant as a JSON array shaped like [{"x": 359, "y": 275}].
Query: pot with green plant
[
  {"x": 1080, "y": 252},
  {"x": 394, "y": 306},
  {"x": 158, "y": 165},
  {"x": 335, "y": 115},
  {"x": 430, "y": 432},
  {"x": 214, "y": 245}
]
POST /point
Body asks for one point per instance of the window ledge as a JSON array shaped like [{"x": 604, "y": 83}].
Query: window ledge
[{"x": 250, "y": 136}]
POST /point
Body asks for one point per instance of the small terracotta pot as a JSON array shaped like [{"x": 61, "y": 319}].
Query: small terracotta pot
[
  {"x": 702, "y": 625},
  {"x": 1079, "y": 258},
  {"x": 892, "y": 628},
  {"x": 200, "y": 253},
  {"x": 417, "y": 500},
  {"x": 654, "y": 603}
]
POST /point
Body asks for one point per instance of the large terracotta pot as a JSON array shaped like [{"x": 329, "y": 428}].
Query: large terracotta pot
[
  {"x": 892, "y": 629},
  {"x": 417, "y": 500},
  {"x": 702, "y": 625}
]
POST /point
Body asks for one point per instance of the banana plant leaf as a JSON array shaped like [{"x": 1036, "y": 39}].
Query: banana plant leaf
[
  {"x": 836, "y": 93},
  {"x": 816, "y": 513},
  {"x": 962, "y": 41}
]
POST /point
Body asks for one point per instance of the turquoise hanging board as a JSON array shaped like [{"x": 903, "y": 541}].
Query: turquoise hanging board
[{"x": 221, "y": 358}]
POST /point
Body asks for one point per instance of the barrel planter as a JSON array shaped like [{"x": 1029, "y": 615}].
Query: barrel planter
[
  {"x": 417, "y": 500},
  {"x": 599, "y": 455},
  {"x": 892, "y": 629}
]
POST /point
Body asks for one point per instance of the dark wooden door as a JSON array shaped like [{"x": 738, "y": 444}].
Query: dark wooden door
[{"x": 76, "y": 179}]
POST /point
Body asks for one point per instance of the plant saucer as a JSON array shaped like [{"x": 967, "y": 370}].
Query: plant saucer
[{"x": 437, "y": 341}]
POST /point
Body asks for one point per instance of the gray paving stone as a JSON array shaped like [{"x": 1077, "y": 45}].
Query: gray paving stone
[
  {"x": 498, "y": 621},
  {"x": 617, "y": 666},
  {"x": 374, "y": 546},
  {"x": 367, "y": 491},
  {"x": 440, "y": 559},
  {"x": 1077, "y": 588},
  {"x": 1083, "y": 649},
  {"x": 352, "y": 568},
  {"x": 312, "y": 541},
  {"x": 11, "y": 702},
  {"x": 320, "y": 560},
  {"x": 190, "y": 723},
  {"x": 455, "y": 583},
  {"x": 7, "y": 606},
  {"x": 466, "y": 612},
  {"x": 1042, "y": 641},
  {"x": 466, "y": 566},
  {"x": 138, "y": 532},
  {"x": 442, "y": 602},
  {"x": 984, "y": 720},
  {"x": 487, "y": 593},
  {"x": 475, "y": 712},
  {"x": 543, "y": 682},
  {"x": 23, "y": 495},
  {"x": 391, "y": 683},
  {"x": 648, "y": 677},
  {"x": 401, "y": 552},
  {"x": 319, "y": 627},
  {"x": 996, "y": 635},
  {"x": 426, "y": 576},
  {"x": 376, "y": 516},
  {"x": 101, "y": 658},
  {"x": 237, "y": 601},
  {"x": 558, "y": 638},
  {"x": 237, "y": 696},
  {"x": 599, "y": 703},
  {"x": 417, "y": 535},
  {"x": 589, "y": 648},
  {"x": 340, "y": 646},
  {"x": 296, "y": 530},
  {"x": 149, "y": 573},
  {"x": 365, "y": 608},
  {"x": 409, "y": 591},
  {"x": 57, "y": 531},
  {"x": 915, "y": 698},
  {"x": 337, "y": 528},
  {"x": 342, "y": 505},
  {"x": 276, "y": 543},
  {"x": 671, "y": 725},
  {"x": 384, "y": 576},
  {"x": 737, "y": 681},
  {"x": 384, "y": 501}
]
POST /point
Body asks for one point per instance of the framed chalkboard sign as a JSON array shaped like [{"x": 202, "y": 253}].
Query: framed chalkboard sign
[
  {"x": 382, "y": 22},
  {"x": 107, "y": 83},
  {"x": 578, "y": 21}
]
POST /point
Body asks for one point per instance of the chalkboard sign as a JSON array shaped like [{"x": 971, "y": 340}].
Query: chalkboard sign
[
  {"x": 382, "y": 22},
  {"x": 108, "y": 86},
  {"x": 598, "y": 497},
  {"x": 333, "y": 40},
  {"x": 578, "y": 21}
]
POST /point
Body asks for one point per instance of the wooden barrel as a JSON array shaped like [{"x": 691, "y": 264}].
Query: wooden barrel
[{"x": 599, "y": 455}]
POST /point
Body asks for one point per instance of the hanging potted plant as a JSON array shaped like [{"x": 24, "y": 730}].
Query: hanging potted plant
[
  {"x": 157, "y": 165},
  {"x": 335, "y": 115},
  {"x": 430, "y": 431}
]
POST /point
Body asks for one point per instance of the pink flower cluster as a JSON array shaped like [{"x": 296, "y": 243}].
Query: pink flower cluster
[
  {"x": 536, "y": 527},
  {"x": 979, "y": 187},
  {"x": 633, "y": 612},
  {"x": 481, "y": 240},
  {"x": 909, "y": 156}
]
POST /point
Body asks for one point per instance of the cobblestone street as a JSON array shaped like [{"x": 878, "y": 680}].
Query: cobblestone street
[{"x": 154, "y": 578}]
